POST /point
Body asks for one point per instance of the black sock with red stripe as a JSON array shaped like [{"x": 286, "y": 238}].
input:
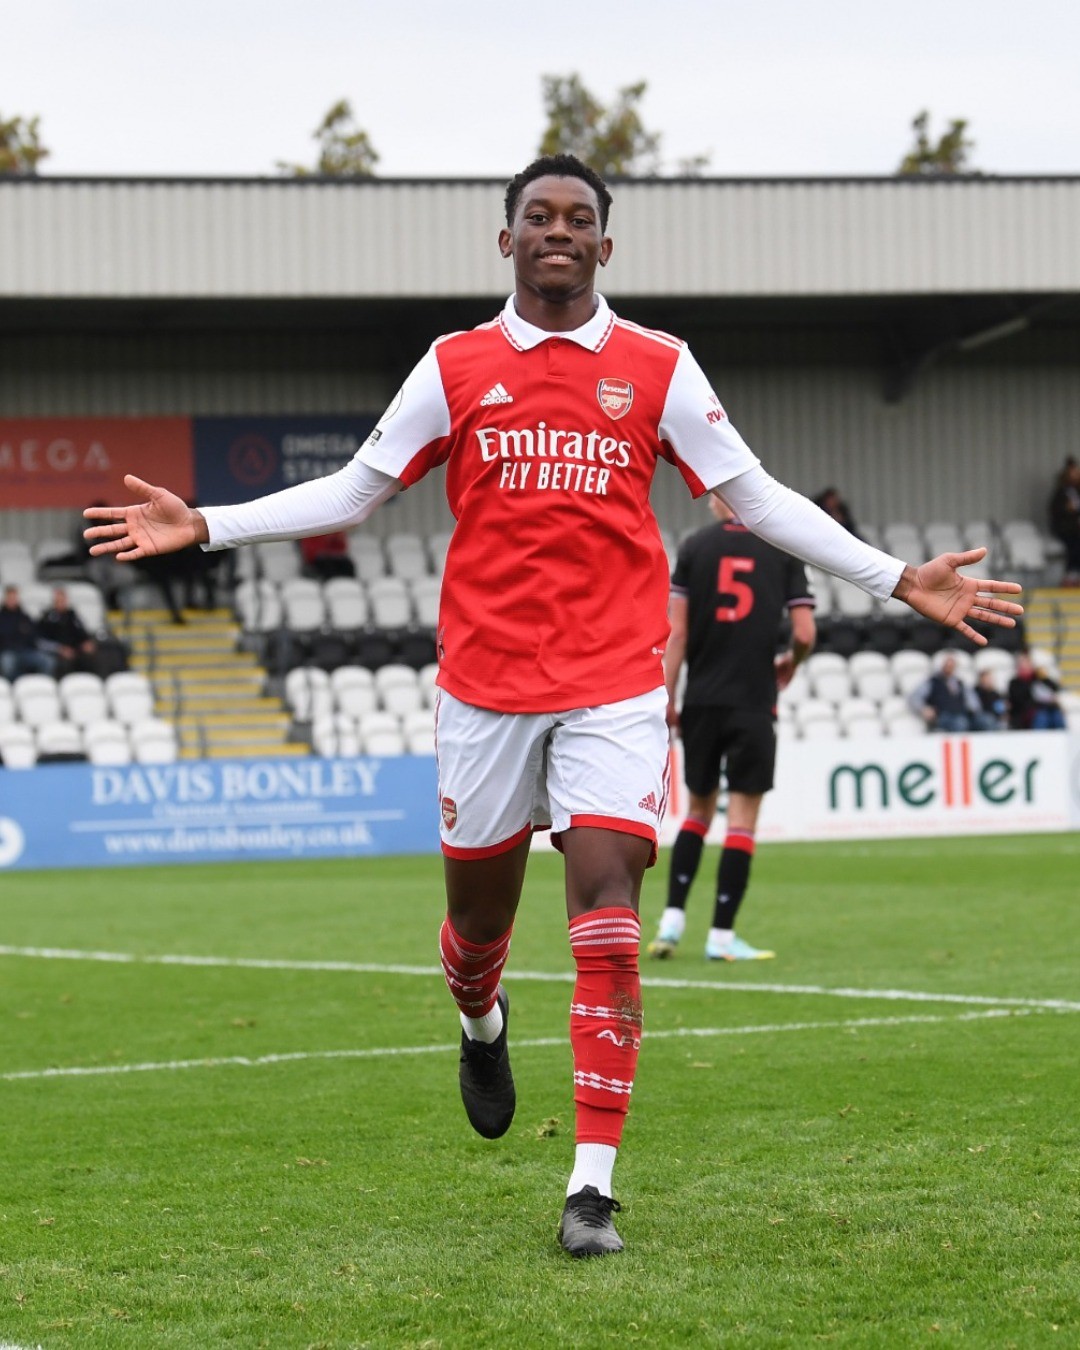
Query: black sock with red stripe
[
  {"x": 685, "y": 860},
  {"x": 733, "y": 876}
]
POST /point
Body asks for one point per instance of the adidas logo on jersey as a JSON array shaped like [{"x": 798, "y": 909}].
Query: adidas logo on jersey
[
  {"x": 649, "y": 803},
  {"x": 496, "y": 394}
]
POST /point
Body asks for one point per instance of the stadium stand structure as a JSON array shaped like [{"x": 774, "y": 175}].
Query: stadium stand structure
[{"x": 346, "y": 665}]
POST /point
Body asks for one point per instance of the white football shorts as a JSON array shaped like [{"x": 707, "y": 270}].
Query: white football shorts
[{"x": 503, "y": 775}]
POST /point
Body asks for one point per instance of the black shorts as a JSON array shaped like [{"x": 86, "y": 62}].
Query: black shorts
[{"x": 741, "y": 741}]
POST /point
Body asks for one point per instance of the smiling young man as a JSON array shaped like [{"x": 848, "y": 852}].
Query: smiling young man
[{"x": 550, "y": 420}]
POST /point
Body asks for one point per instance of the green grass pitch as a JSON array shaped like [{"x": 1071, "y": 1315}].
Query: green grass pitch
[{"x": 871, "y": 1141}]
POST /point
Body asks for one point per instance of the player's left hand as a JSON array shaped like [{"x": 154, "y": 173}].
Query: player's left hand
[{"x": 937, "y": 590}]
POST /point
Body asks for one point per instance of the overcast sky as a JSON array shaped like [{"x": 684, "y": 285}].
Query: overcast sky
[{"x": 777, "y": 87}]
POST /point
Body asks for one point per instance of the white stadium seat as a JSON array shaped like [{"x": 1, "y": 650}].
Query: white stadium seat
[
  {"x": 427, "y": 677},
  {"x": 438, "y": 545},
  {"x": 18, "y": 749},
  {"x": 858, "y": 718},
  {"x": 943, "y": 536},
  {"x": 302, "y": 602},
  {"x": 367, "y": 555},
  {"x": 391, "y": 606},
  {"x": 381, "y": 734},
  {"x": 399, "y": 689},
  {"x": 910, "y": 668},
  {"x": 280, "y": 560},
  {"x": 333, "y": 737},
  {"x": 407, "y": 556},
  {"x": 258, "y": 605},
  {"x": 36, "y": 597},
  {"x": 7, "y": 702},
  {"x": 130, "y": 696},
  {"x": 83, "y": 698},
  {"x": 88, "y": 603},
  {"x": 37, "y": 699},
  {"x": 797, "y": 690},
  {"x": 419, "y": 729},
  {"x": 1002, "y": 663},
  {"x": 308, "y": 693},
  {"x": 354, "y": 690},
  {"x": 871, "y": 675},
  {"x": 106, "y": 742},
  {"x": 154, "y": 741},
  {"x": 851, "y": 601},
  {"x": 904, "y": 724},
  {"x": 816, "y": 717},
  {"x": 425, "y": 594},
  {"x": 821, "y": 587},
  {"x": 51, "y": 549},
  {"x": 58, "y": 738},
  {"x": 829, "y": 676},
  {"x": 904, "y": 540}
]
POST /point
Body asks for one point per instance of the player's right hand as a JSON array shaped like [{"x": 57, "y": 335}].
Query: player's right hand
[{"x": 162, "y": 523}]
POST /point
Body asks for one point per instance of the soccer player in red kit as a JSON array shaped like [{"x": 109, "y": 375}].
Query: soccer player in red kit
[{"x": 550, "y": 421}]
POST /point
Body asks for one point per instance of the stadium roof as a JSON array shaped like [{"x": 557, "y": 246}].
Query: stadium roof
[{"x": 313, "y": 239}]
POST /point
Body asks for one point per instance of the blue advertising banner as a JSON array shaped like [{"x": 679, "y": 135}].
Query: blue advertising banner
[
  {"x": 237, "y": 458},
  {"x": 81, "y": 815}
]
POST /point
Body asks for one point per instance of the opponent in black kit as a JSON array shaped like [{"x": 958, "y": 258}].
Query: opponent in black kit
[{"x": 729, "y": 592}]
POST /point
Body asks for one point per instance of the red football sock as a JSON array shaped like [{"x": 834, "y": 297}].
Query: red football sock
[
  {"x": 605, "y": 1020},
  {"x": 472, "y": 970}
]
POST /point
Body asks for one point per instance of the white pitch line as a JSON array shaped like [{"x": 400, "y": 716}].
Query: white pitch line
[
  {"x": 539, "y": 1042},
  {"x": 546, "y": 977}
]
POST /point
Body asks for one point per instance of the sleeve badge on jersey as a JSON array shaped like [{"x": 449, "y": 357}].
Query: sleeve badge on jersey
[{"x": 615, "y": 397}]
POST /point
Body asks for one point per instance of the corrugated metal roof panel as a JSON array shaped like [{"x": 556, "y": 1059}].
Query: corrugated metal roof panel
[{"x": 68, "y": 238}]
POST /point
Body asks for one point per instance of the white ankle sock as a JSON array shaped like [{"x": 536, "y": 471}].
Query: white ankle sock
[
  {"x": 673, "y": 921},
  {"x": 484, "y": 1028},
  {"x": 593, "y": 1166}
]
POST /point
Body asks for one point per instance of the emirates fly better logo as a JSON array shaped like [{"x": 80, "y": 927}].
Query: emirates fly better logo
[{"x": 615, "y": 397}]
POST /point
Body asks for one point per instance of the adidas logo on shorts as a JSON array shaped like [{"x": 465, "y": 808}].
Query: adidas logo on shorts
[
  {"x": 649, "y": 803},
  {"x": 496, "y": 394}
]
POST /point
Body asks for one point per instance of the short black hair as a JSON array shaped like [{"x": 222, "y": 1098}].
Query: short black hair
[{"x": 558, "y": 166}]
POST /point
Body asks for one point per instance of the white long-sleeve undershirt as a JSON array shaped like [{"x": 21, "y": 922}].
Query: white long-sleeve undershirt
[
  {"x": 793, "y": 523},
  {"x": 336, "y": 502}
]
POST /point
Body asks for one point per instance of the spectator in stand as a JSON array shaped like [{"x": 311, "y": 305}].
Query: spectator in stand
[
  {"x": 62, "y": 634},
  {"x": 1065, "y": 518},
  {"x": 20, "y": 648},
  {"x": 833, "y": 504},
  {"x": 946, "y": 703},
  {"x": 993, "y": 702},
  {"x": 1033, "y": 701},
  {"x": 327, "y": 555}
]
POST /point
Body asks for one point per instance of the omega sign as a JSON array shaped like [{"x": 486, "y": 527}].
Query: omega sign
[{"x": 57, "y": 456}]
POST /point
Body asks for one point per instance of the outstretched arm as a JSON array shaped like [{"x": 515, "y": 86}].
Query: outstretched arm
[
  {"x": 936, "y": 589},
  {"x": 162, "y": 523}
]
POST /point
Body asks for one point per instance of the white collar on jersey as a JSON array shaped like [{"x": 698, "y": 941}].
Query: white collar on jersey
[{"x": 590, "y": 335}]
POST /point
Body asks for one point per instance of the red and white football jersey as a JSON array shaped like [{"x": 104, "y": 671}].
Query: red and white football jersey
[{"x": 555, "y": 589}]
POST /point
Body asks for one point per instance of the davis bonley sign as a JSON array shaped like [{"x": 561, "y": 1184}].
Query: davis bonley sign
[{"x": 78, "y": 815}]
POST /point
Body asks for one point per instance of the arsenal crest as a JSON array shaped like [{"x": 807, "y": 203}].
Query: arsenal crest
[
  {"x": 449, "y": 812},
  {"x": 615, "y": 397}
]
